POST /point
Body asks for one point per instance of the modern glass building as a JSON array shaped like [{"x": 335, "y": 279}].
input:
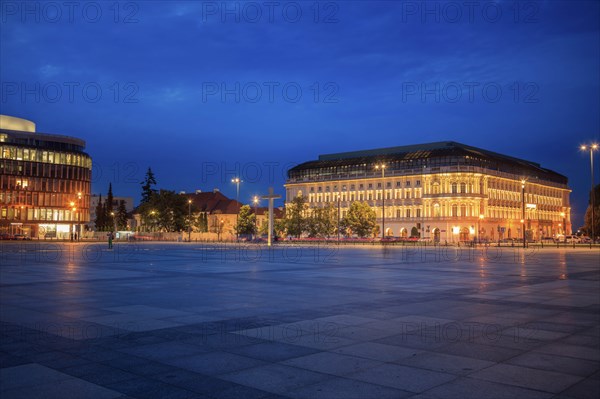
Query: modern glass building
[
  {"x": 44, "y": 182},
  {"x": 444, "y": 191}
]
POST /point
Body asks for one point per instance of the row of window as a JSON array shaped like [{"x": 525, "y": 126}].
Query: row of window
[
  {"x": 35, "y": 198},
  {"x": 42, "y": 214},
  {"x": 20, "y": 186},
  {"x": 35, "y": 169},
  {"x": 43, "y": 156},
  {"x": 362, "y": 186}
]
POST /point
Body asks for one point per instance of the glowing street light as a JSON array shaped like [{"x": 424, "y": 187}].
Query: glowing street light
[
  {"x": 523, "y": 181},
  {"x": 382, "y": 167},
  {"x": 237, "y": 181},
  {"x": 591, "y": 148}
]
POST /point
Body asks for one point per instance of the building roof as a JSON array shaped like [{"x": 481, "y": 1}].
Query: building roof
[
  {"x": 214, "y": 202},
  {"x": 429, "y": 152}
]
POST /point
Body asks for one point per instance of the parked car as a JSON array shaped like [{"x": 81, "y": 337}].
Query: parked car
[
  {"x": 21, "y": 237},
  {"x": 572, "y": 240},
  {"x": 6, "y": 236},
  {"x": 585, "y": 240}
]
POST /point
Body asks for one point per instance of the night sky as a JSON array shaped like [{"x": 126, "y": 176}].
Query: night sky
[{"x": 205, "y": 91}]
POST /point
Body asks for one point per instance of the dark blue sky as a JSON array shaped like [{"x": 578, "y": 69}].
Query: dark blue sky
[{"x": 198, "y": 90}]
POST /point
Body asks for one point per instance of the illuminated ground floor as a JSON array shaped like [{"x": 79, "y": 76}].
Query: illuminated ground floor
[
  {"x": 61, "y": 231},
  {"x": 468, "y": 229}
]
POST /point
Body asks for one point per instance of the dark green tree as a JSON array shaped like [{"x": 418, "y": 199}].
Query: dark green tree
[
  {"x": 100, "y": 221},
  {"x": 121, "y": 216},
  {"x": 246, "y": 221},
  {"x": 147, "y": 186},
  {"x": 587, "y": 226},
  {"x": 165, "y": 211},
  {"x": 322, "y": 222},
  {"x": 360, "y": 219},
  {"x": 109, "y": 210},
  {"x": 295, "y": 215}
]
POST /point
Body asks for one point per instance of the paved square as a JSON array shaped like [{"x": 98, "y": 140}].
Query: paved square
[{"x": 148, "y": 320}]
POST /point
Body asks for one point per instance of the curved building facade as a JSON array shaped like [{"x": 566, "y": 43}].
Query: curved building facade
[
  {"x": 443, "y": 191},
  {"x": 45, "y": 182}
]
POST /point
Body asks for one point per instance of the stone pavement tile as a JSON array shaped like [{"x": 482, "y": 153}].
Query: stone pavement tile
[
  {"x": 332, "y": 363},
  {"x": 319, "y": 341},
  {"x": 560, "y": 364},
  {"x": 445, "y": 363},
  {"x": 376, "y": 351},
  {"x": 8, "y": 360},
  {"x": 344, "y": 319},
  {"x": 271, "y": 351},
  {"x": 214, "y": 363},
  {"x": 72, "y": 388},
  {"x": 524, "y": 377},
  {"x": 149, "y": 389},
  {"x": 402, "y": 377},
  {"x": 194, "y": 382},
  {"x": 414, "y": 340},
  {"x": 478, "y": 351},
  {"x": 578, "y": 352},
  {"x": 164, "y": 350},
  {"x": 276, "y": 378},
  {"x": 237, "y": 391},
  {"x": 586, "y": 389},
  {"x": 344, "y": 388},
  {"x": 96, "y": 369},
  {"x": 582, "y": 340},
  {"x": 28, "y": 375},
  {"x": 469, "y": 388}
]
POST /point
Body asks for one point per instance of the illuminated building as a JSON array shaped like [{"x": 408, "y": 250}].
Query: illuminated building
[
  {"x": 44, "y": 181},
  {"x": 444, "y": 191}
]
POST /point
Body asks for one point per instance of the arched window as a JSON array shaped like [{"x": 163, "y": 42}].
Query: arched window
[
  {"x": 435, "y": 187},
  {"x": 436, "y": 210},
  {"x": 454, "y": 210},
  {"x": 463, "y": 188},
  {"x": 463, "y": 210},
  {"x": 454, "y": 188}
]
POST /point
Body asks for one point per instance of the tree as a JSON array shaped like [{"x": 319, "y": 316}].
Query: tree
[
  {"x": 100, "y": 221},
  {"x": 108, "y": 209},
  {"x": 295, "y": 215},
  {"x": 322, "y": 222},
  {"x": 165, "y": 211},
  {"x": 147, "y": 186},
  {"x": 360, "y": 219},
  {"x": 587, "y": 226},
  {"x": 121, "y": 216},
  {"x": 246, "y": 221}
]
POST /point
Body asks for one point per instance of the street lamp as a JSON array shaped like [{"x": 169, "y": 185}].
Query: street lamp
[
  {"x": 523, "y": 211},
  {"x": 72, "y": 232},
  {"x": 237, "y": 181},
  {"x": 338, "y": 217},
  {"x": 255, "y": 201},
  {"x": 189, "y": 220},
  {"x": 591, "y": 147},
  {"x": 382, "y": 167},
  {"x": 479, "y": 228}
]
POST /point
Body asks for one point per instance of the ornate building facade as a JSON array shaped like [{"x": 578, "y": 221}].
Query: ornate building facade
[
  {"x": 44, "y": 182},
  {"x": 444, "y": 191}
]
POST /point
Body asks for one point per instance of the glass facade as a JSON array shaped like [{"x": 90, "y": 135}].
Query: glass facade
[{"x": 45, "y": 184}]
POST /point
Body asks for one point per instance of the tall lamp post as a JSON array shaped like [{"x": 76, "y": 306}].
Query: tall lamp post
[
  {"x": 237, "y": 181},
  {"x": 479, "y": 227},
  {"x": 189, "y": 220},
  {"x": 73, "y": 210},
  {"x": 592, "y": 147},
  {"x": 255, "y": 202},
  {"x": 338, "y": 217},
  {"x": 382, "y": 167},
  {"x": 523, "y": 211}
]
